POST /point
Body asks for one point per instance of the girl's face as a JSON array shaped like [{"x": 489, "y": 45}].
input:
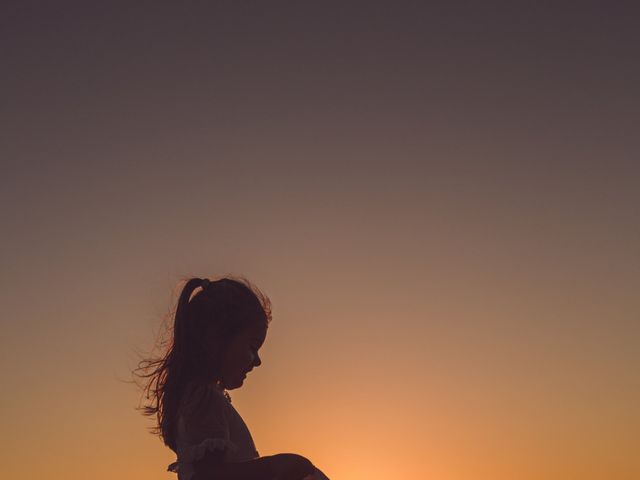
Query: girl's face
[{"x": 241, "y": 355}]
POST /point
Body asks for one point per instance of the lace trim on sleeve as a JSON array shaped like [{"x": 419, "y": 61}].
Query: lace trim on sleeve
[{"x": 196, "y": 452}]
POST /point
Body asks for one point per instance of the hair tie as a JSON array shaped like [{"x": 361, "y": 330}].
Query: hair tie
[{"x": 205, "y": 283}]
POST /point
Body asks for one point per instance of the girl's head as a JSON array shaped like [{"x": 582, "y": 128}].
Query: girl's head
[{"x": 217, "y": 332}]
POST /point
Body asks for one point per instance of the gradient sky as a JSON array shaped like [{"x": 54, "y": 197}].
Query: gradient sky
[{"x": 441, "y": 202}]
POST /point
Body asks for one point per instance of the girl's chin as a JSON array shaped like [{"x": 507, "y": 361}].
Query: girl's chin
[{"x": 235, "y": 384}]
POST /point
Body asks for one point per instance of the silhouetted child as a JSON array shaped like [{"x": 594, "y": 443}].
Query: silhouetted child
[{"x": 217, "y": 333}]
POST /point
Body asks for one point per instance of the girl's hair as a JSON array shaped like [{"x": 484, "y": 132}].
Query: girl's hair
[{"x": 202, "y": 322}]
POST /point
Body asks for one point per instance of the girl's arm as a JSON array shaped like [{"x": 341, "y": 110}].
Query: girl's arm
[
  {"x": 213, "y": 468},
  {"x": 285, "y": 466}
]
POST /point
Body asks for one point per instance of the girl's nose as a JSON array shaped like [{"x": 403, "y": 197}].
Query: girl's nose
[{"x": 256, "y": 360}]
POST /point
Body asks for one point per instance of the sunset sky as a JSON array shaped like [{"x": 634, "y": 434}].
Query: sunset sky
[{"x": 442, "y": 203}]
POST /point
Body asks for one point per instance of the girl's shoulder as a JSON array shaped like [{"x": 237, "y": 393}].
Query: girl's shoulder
[{"x": 198, "y": 399}]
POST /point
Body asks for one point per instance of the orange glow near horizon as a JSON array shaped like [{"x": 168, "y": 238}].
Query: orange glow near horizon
[{"x": 434, "y": 399}]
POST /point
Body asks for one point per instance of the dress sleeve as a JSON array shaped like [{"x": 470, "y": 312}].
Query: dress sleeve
[{"x": 203, "y": 425}]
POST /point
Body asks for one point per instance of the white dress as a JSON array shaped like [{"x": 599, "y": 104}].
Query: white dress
[{"x": 207, "y": 422}]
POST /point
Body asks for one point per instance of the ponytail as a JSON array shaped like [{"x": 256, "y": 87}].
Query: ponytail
[{"x": 181, "y": 313}]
